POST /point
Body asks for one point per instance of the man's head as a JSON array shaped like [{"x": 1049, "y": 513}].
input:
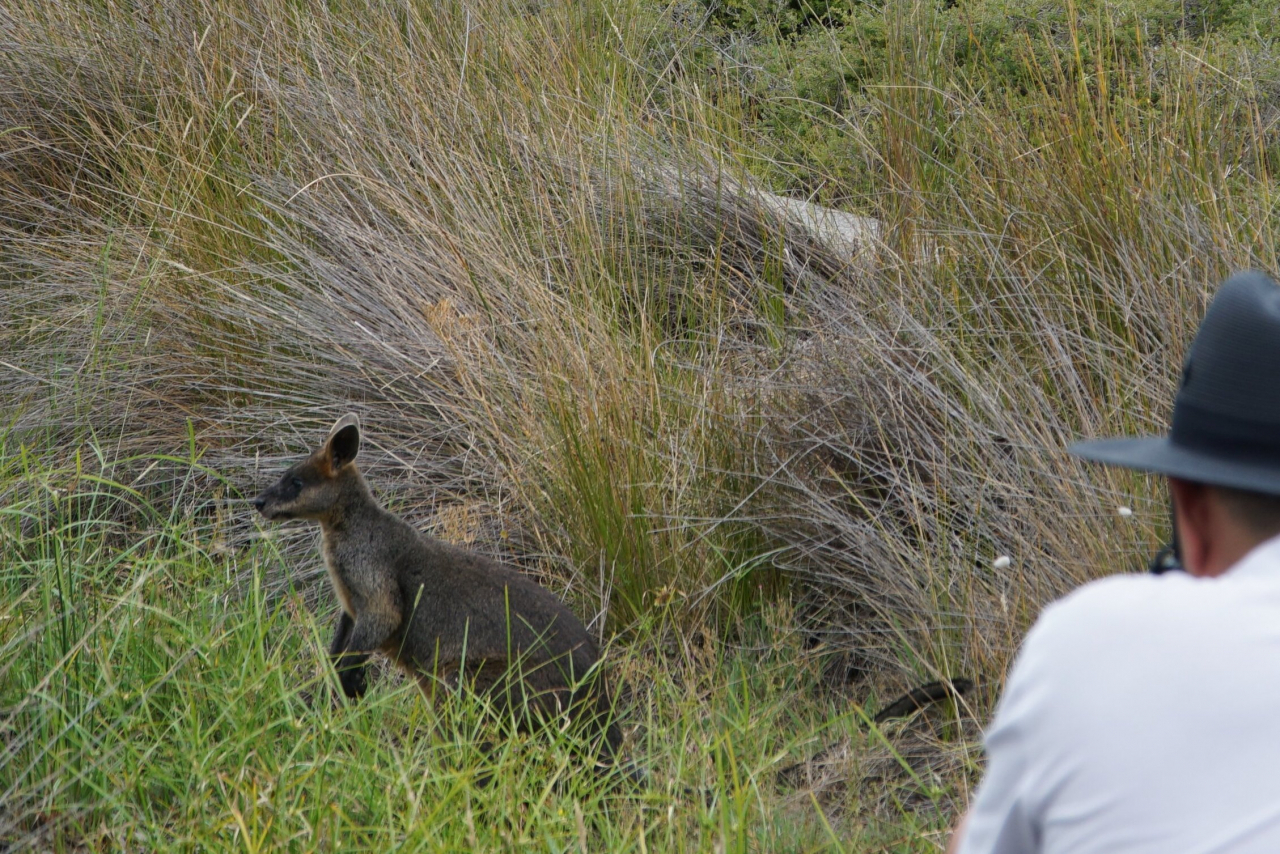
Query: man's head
[{"x": 1222, "y": 454}]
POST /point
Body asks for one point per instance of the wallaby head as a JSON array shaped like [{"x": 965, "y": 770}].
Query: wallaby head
[{"x": 312, "y": 488}]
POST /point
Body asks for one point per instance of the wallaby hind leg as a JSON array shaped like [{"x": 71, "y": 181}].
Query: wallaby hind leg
[{"x": 585, "y": 708}]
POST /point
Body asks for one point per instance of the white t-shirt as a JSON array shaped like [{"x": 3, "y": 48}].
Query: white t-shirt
[{"x": 1142, "y": 715}]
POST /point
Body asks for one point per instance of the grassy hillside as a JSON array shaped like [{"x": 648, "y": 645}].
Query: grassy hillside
[{"x": 554, "y": 255}]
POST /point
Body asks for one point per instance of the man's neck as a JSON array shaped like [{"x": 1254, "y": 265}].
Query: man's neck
[{"x": 1229, "y": 545}]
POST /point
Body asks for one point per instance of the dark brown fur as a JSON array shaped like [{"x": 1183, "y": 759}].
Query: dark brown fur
[{"x": 446, "y": 615}]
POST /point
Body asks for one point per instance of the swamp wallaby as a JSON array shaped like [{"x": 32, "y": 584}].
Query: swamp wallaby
[{"x": 445, "y": 615}]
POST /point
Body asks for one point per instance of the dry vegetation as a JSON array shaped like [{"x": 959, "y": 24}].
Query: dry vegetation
[{"x": 526, "y": 243}]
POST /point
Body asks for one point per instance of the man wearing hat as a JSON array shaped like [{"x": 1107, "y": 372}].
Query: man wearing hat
[{"x": 1143, "y": 711}]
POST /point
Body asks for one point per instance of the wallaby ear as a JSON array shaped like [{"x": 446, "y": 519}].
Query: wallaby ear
[{"x": 344, "y": 441}]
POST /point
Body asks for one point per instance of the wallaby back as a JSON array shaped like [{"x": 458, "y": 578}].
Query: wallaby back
[{"x": 446, "y": 615}]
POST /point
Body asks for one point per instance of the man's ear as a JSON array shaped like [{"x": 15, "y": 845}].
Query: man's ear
[{"x": 344, "y": 441}]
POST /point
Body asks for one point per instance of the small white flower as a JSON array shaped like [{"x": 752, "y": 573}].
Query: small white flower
[
  {"x": 1001, "y": 562},
  {"x": 1124, "y": 512}
]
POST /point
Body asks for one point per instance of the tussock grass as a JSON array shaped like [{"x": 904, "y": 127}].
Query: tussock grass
[{"x": 531, "y": 246}]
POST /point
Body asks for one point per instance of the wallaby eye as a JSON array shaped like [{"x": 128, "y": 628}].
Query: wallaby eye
[{"x": 296, "y": 483}]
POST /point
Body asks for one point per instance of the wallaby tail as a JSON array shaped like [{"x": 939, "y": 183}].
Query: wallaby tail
[{"x": 923, "y": 696}]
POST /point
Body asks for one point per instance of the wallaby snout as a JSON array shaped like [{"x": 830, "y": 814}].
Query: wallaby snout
[{"x": 282, "y": 500}]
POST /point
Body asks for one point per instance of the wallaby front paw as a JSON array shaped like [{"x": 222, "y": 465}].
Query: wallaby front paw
[{"x": 353, "y": 682}]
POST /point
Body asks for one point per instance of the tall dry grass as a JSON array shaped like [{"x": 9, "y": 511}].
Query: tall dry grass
[{"x": 531, "y": 253}]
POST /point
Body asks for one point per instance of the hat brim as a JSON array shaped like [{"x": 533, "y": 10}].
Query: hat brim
[{"x": 1160, "y": 456}]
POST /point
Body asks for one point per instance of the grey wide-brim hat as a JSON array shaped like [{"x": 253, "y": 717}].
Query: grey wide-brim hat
[{"x": 1226, "y": 416}]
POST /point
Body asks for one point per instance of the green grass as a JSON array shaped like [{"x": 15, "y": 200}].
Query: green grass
[{"x": 156, "y": 695}]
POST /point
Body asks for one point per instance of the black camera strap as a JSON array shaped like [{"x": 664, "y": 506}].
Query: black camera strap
[{"x": 1169, "y": 558}]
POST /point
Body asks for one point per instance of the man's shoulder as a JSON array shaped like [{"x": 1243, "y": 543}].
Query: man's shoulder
[
  {"x": 1123, "y": 597},
  {"x": 1117, "y": 613},
  {"x": 1127, "y": 613},
  {"x": 1116, "y": 647}
]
